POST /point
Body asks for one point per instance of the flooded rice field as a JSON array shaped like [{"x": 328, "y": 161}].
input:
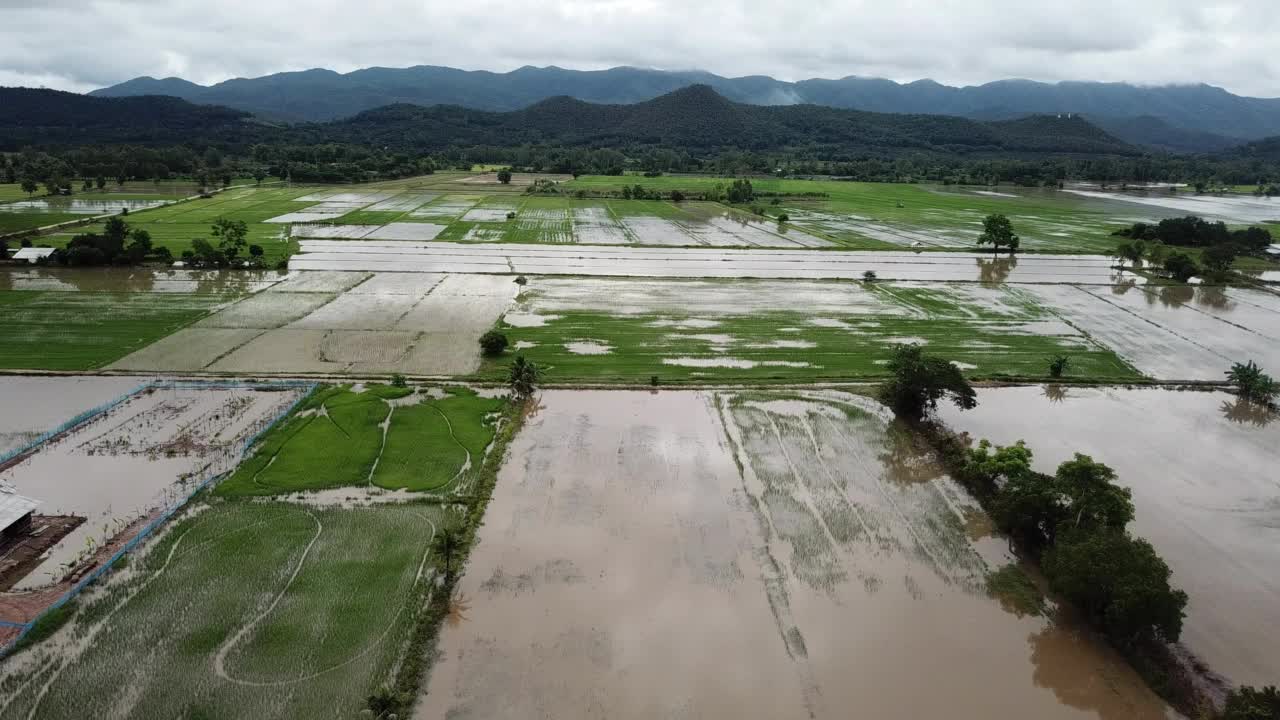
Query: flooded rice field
[
  {"x": 1174, "y": 332},
  {"x": 143, "y": 455},
  {"x": 341, "y": 322},
  {"x": 158, "y": 280},
  {"x": 35, "y": 405},
  {"x": 695, "y": 555},
  {"x": 78, "y": 207},
  {"x": 693, "y": 262},
  {"x": 1228, "y": 208},
  {"x": 1202, "y": 468}
]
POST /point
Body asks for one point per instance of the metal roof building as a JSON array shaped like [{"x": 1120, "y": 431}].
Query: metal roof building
[
  {"x": 32, "y": 254},
  {"x": 15, "y": 510}
]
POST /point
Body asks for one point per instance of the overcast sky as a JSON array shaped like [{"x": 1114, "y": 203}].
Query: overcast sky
[{"x": 85, "y": 44}]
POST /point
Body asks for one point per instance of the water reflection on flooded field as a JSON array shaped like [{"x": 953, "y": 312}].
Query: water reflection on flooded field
[
  {"x": 1202, "y": 466},
  {"x": 683, "y": 554}
]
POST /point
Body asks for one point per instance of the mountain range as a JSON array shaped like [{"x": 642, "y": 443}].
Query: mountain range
[
  {"x": 1179, "y": 118},
  {"x": 694, "y": 119}
]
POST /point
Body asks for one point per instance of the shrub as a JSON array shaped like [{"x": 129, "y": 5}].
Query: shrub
[
  {"x": 493, "y": 343},
  {"x": 1058, "y": 365},
  {"x": 869, "y": 276}
]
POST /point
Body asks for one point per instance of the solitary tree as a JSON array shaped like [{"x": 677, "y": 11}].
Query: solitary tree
[
  {"x": 504, "y": 176},
  {"x": 446, "y": 544},
  {"x": 997, "y": 232},
  {"x": 918, "y": 382},
  {"x": 231, "y": 236},
  {"x": 523, "y": 379},
  {"x": 869, "y": 276},
  {"x": 29, "y": 186},
  {"x": 1253, "y": 384}
]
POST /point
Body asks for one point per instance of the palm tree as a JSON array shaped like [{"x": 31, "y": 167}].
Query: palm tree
[
  {"x": 1253, "y": 384},
  {"x": 523, "y": 379}
]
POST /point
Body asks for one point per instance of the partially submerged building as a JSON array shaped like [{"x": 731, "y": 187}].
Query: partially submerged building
[{"x": 15, "y": 513}]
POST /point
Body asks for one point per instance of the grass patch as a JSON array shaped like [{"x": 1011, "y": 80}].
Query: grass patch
[
  {"x": 1015, "y": 591},
  {"x": 336, "y": 436}
]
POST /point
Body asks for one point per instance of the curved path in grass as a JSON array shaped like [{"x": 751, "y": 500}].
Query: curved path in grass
[{"x": 219, "y": 660}]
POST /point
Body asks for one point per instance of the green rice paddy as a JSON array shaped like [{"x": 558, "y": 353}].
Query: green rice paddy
[
  {"x": 85, "y": 330},
  {"x": 1012, "y": 336},
  {"x": 243, "y": 609},
  {"x": 379, "y": 436}
]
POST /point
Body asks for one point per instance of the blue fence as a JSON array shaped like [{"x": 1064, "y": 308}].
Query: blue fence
[{"x": 164, "y": 517}]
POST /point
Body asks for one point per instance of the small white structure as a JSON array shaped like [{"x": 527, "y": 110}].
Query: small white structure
[
  {"x": 32, "y": 254},
  {"x": 1273, "y": 250}
]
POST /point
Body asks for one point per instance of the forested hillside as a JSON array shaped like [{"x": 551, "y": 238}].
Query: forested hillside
[
  {"x": 48, "y": 117},
  {"x": 697, "y": 119}
]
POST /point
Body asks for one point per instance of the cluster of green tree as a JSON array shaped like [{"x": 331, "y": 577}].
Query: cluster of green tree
[
  {"x": 1192, "y": 231},
  {"x": 1221, "y": 246},
  {"x": 117, "y": 244},
  {"x": 1073, "y": 522},
  {"x": 226, "y": 249}
]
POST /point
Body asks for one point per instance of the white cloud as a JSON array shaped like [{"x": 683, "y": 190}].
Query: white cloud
[{"x": 82, "y": 44}]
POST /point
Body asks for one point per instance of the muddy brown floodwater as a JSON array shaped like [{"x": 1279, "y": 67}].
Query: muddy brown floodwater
[
  {"x": 698, "y": 555},
  {"x": 1202, "y": 467}
]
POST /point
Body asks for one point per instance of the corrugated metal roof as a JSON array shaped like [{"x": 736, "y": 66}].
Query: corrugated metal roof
[
  {"x": 32, "y": 254},
  {"x": 13, "y": 506}
]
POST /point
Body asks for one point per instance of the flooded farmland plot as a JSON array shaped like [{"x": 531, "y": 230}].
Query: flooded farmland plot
[
  {"x": 1202, "y": 468},
  {"x": 804, "y": 331},
  {"x": 341, "y": 322},
  {"x": 602, "y": 260},
  {"x": 79, "y": 207},
  {"x": 1231, "y": 209},
  {"x": 1174, "y": 332},
  {"x": 142, "y": 456},
  {"x": 36, "y": 405},
  {"x": 683, "y": 554},
  {"x": 239, "y": 609},
  {"x": 69, "y": 328}
]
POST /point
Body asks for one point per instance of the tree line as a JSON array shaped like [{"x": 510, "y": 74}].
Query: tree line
[{"x": 1073, "y": 524}]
